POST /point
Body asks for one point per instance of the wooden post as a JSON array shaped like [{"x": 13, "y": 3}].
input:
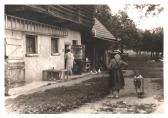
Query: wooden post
[
  {"x": 11, "y": 23},
  {"x": 6, "y": 23},
  {"x": 15, "y": 20},
  {"x": 24, "y": 25},
  {"x": 94, "y": 51},
  {"x": 5, "y": 46}
]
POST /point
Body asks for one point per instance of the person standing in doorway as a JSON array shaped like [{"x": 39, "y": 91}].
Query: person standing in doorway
[
  {"x": 69, "y": 57},
  {"x": 116, "y": 76}
]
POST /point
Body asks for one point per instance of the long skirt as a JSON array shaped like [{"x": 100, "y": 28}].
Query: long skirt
[
  {"x": 116, "y": 80},
  {"x": 69, "y": 65}
]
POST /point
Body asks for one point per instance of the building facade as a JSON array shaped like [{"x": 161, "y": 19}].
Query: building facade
[{"x": 36, "y": 37}]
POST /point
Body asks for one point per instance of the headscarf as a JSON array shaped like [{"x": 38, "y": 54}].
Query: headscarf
[{"x": 117, "y": 57}]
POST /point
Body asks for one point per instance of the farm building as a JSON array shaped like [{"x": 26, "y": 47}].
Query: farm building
[{"x": 36, "y": 37}]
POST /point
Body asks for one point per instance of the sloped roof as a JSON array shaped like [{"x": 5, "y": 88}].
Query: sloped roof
[{"x": 101, "y": 32}]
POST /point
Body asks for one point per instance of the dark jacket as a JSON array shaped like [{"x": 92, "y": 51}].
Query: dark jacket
[{"x": 116, "y": 80}]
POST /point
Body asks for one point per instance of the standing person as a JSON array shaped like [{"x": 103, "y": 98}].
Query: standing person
[
  {"x": 139, "y": 84},
  {"x": 69, "y": 61},
  {"x": 116, "y": 76}
]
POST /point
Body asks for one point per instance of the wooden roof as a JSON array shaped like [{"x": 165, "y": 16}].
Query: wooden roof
[
  {"x": 77, "y": 17},
  {"x": 101, "y": 32}
]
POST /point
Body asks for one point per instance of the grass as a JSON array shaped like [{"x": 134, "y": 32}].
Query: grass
[
  {"x": 60, "y": 99},
  {"x": 148, "y": 70}
]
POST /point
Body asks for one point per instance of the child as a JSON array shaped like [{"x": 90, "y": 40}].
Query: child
[{"x": 139, "y": 84}]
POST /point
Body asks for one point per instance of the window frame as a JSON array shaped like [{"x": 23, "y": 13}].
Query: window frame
[
  {"x": 57, "y": 53},
  {"x": 30, "y": 54},
  {"x": 76, "y": 42}
]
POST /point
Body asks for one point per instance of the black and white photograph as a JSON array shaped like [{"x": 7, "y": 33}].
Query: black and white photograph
[{"x": 84, "y": 58}]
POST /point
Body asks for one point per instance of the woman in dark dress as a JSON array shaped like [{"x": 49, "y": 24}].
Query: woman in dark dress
[{"x": 116, "y": 81}]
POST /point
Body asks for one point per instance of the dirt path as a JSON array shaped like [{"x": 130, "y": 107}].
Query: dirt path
[
  {"x": 128, "y": 101},
  {"x": 79, "y": 95},
  {"x": 45, "y": 85}
]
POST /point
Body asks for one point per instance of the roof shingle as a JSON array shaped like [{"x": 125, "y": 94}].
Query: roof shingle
[{"x": 101, "y": 32}]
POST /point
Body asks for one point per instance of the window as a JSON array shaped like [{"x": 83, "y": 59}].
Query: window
[
  {"x": 54, "y": 45},
  {"x": 74, "y": 42},
  {"x": 31, "y": 44}
]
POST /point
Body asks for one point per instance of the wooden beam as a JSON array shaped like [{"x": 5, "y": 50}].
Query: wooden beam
[{"x": 14, "y": 8}]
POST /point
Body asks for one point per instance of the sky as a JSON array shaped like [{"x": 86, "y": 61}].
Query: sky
[{"x": 134, "y": 14}]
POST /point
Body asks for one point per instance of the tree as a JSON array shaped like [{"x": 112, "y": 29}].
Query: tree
[
  {"x": 120, "y": 25},
  {"x": 128, "y": 32},
  {"x": 150, "y": 9},
  {"x": 158, "y": 40},
  {"x": 151, "y": 41},
  {"x": 138, "y": 42}
]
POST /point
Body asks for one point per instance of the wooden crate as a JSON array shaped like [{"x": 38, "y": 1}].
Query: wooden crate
[{"x": 53, "y": 75}]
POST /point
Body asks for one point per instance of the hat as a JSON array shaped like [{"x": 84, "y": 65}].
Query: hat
[{"x": 117, "y": 51}]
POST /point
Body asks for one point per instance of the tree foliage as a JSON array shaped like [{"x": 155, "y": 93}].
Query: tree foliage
[
  {"x": 120, "y": 25},
  {"x": 150, "y": 9},
  {"x": 150, "y": 41}
]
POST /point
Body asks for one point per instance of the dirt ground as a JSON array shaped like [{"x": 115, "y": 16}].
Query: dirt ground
[
  {"x": 93, "y": 96},
  {"x": 128, "y": 101}
]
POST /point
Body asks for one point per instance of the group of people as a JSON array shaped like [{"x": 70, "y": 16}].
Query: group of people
[
  {"x": 115, "y": 66},
  {"x": 116, "y": 81}
]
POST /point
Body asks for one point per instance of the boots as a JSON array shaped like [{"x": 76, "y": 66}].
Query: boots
[
  {"x": 114, "y": 94},
  {"x": 117, "y": 93}
]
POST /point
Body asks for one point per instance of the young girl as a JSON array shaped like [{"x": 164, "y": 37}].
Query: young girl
[{"x": 139, "y": 84}]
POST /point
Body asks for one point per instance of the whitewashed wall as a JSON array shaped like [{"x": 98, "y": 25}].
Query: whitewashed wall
[
  {"x": 73, "y": 35},
  {"x": 35, "y": 65}
]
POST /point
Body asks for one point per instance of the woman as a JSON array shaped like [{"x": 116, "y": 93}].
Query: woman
[
  {"x": 69, "y": 61},
  {"x": 116, "y": 76}
]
